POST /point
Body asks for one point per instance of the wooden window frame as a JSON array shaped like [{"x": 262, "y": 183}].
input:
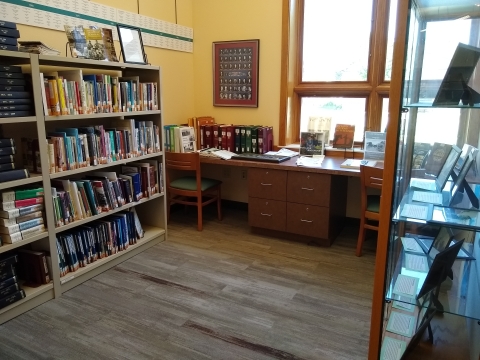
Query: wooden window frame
[{"x": 374, "y": 89}]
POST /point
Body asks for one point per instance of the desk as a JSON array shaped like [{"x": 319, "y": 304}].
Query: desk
[{"x": 302, "y": 203}]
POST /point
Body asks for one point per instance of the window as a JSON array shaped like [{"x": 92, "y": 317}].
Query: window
[{"x": 339, "y": 52}]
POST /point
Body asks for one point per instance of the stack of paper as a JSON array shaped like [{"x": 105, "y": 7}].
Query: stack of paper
[
  {"x": 36, "y": 47},
  {"x": 283, "y": 152},
  {"x": 306, "y": 161}
]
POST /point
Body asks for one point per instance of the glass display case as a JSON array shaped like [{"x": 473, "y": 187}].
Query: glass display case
[{"x": 432, "y": 275}]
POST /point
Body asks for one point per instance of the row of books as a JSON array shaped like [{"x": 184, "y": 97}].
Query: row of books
[
  {"x": 10, "y": 290},
  {"x": 15, "y": 92},
  {"x": 98, "y": 240},
  {"x": 22, "y": 214},
  {"x": 72, "y": 93},
  {"x": 104, "y": 191},
  {"x": 234, "y": 138},
  {"x": 73, "y": 148},
  {"x": 9, "y": 170}
]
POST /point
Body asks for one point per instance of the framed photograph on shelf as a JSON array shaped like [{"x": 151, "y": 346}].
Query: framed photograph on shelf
[
  {"x": 131, "y": 44},
  {"x": 235, "y": 73}
]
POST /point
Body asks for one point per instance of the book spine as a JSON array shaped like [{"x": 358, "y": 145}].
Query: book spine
[{"x": 18, "y": 295}]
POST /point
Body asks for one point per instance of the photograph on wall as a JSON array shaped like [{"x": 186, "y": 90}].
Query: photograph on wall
[{"x": 235, "y": 73}]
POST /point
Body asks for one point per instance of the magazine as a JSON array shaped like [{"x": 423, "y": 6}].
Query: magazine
[
  {"x": 312, "y": 143},
  {"x": 343, "y": 136},
  {"x": 76, "y": 41}
]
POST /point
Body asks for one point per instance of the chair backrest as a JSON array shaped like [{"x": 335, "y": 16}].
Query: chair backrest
[{"x": 183, "y": 162}]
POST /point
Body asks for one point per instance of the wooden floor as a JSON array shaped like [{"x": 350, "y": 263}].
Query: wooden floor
[{"x": 223, "y": 293}]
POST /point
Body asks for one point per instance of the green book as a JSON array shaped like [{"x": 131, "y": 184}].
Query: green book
[
  {"x": 248, "y": 138},
  {"x": 172, "y": 138},
  {"x": 28, "y": 193}
]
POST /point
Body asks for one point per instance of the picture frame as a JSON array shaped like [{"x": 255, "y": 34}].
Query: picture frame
[
  {"x": 131, "y": 43},
  {"x": 235, "y": 73}
]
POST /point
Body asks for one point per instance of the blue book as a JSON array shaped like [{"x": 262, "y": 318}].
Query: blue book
[
  {"x": 74, "y": 132},
  {"x": 92, "y": 79},
  {"x": 68, "y": 147}
]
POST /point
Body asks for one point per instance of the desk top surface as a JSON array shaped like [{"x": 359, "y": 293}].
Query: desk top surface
[{"x": 330, "y": 165}]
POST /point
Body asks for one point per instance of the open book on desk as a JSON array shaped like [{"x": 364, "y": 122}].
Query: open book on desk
[{"x": 217, "y": 153}]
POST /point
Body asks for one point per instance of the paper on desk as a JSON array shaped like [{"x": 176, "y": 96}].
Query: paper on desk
[
  {"x": 310, "y": 161},
  {"x": 283, "y": 152}
]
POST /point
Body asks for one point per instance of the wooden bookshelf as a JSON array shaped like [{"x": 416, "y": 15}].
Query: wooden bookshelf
[{"x": 37, "y": 127}]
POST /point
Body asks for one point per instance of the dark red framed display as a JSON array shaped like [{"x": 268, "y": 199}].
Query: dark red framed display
[{"x": 235, "y": 73}]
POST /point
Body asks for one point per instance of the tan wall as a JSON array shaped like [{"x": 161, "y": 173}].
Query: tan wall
[
  {"x": 177, "y": 67},
  {"x": 224, "y": 20}
]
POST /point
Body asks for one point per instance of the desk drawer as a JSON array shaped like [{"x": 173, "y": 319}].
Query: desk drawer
[
  {"x": 308, "y": 188},
  {"x": 267, "y": 214},
  {"x": 267, "y": 184},
  {"x": 308, "y": 220}
]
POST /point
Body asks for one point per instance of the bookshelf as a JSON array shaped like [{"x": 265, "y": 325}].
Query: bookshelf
[{"x": 151, "y": 210}]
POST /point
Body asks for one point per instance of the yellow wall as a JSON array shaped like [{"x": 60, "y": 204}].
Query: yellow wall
[
  {"x": 177, "y": 67},
  {"x": 216, "y": 20}
]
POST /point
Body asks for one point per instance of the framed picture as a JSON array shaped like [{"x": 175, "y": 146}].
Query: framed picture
[
  {"x": 235, "y": 73},
  {"x": 131, "y": 44}
]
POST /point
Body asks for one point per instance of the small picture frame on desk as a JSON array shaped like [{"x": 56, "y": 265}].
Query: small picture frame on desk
[{"x": 131, "y": 43}]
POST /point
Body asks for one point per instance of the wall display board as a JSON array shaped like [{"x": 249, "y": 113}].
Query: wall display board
[{"x": 54, "y": 14}]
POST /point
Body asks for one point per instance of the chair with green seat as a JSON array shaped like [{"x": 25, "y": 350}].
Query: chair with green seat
[
  {"x": 370, "y": 177},
  {"x": 191, "y": 189}
]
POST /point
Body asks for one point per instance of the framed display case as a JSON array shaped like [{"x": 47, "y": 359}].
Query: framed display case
[{"x": 427, "y": 269}]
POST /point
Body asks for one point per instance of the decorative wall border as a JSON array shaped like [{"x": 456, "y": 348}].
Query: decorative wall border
[{"x": 54, "y": 14}]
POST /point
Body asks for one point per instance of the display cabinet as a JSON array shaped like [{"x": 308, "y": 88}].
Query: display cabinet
[{"x": 427, "y": 268}]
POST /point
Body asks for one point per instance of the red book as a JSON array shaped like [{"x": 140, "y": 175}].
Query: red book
[
  {"x": 269, "y": 141},
  {"x": 261, "y": 139},
  {"x": 28, "y": 202},
  {"x": 208, "y": 136},
  {"x": 216, "y": 136},
  {"x": 230, "y": 141}
]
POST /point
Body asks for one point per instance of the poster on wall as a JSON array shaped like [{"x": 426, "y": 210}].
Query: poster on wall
[{"x": 235, "y": 73}]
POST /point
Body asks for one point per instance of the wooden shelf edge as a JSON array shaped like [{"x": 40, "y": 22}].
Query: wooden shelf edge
[
  {"x": 15, "y": 54},
  {"x": 55, "y": 60},
  {"x": 32, "y": 179},
  {"x": 101, "y": 115},
  {"x": 15, "y": 120},
  {"x": 103, "y": 214},
  {"x": 33, "y": 298},
  {"x": 103, "y": 166},
  {"x": 8, "y": 247},
  {"x": 153, "y": 236}
]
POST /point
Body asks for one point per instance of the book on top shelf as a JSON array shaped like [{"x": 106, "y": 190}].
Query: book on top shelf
[{"x": 343, "y": 136}]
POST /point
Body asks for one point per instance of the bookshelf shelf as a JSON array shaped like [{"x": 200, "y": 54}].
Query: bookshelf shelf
[
  {"x": 103, "y": 166},
  {"x": 8, "y": 247},
  {"x": 152, "y": 236},
  {"x": 14, "y": 120},
  {"x": 102, "y": 115},
  {"x": 103, "y": 214},
  {"x": 32, "y": 179},
  {"x": 33, "y": 298},
  {"x": 150, "y": 212}
]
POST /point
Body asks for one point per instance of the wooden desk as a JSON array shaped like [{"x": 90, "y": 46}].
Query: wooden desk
[{"x": 302, "y": 203}]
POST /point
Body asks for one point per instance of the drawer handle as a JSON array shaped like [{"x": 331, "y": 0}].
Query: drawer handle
[
  {"x": 304, "y": 188},
  {"x": 266, "y": 184},
  {"x": 265, "y": 214},
  {"x": 307, "y": 221}
]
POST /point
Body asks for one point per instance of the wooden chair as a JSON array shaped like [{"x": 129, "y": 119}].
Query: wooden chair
[
  {"x": 192, "y": 189},
  {"x": 370, "y": 177}
]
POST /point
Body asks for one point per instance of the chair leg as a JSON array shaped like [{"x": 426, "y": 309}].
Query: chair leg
[
  {"x": 361, "y": 237},
  {"x": 199, "y": 210},
  {"x": 219, "y": 205}
]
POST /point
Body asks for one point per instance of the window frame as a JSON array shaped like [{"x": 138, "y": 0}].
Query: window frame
[{"x": 374, "y": 89}]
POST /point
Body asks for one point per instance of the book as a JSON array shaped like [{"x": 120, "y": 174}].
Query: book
[
  {"x": 312, "y": 143},
  {"x": 8, "y": 281},
  {"x": 420, "y": 154},
  {"x": 10, "y": 299},
  {"x": 20, "y": 219},
  {"x": 355, "y": 163},
  {"x": 76, "y": 41},
  {"x": 9, "y": 214},
  {"x": 22, "y": 235},
  {"x": 11, "y": 229},
  {"x": 11, "y": 175},
  {"x": 9, "y": 205},
  {"x": 436, "y": 158},
  {"x": 6, "y": 291},
  {"x": 343, "y": 137},
  {"x": 34, "y": 269},
  {"x": 21, "y": 194},
  {"x": 7, "y": 260}
]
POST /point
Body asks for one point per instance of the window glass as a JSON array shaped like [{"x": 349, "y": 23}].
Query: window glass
[
  {"x": 341, "y": 110},
  {"x": 392, "y": 23},
  {"x": 336, "y": 38},
  {"x": 385, "y": 104},
  {"x": 434, "y": 128}
]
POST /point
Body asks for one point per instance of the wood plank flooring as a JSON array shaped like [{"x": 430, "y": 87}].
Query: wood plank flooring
[{"x": 223, "y": 293}]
